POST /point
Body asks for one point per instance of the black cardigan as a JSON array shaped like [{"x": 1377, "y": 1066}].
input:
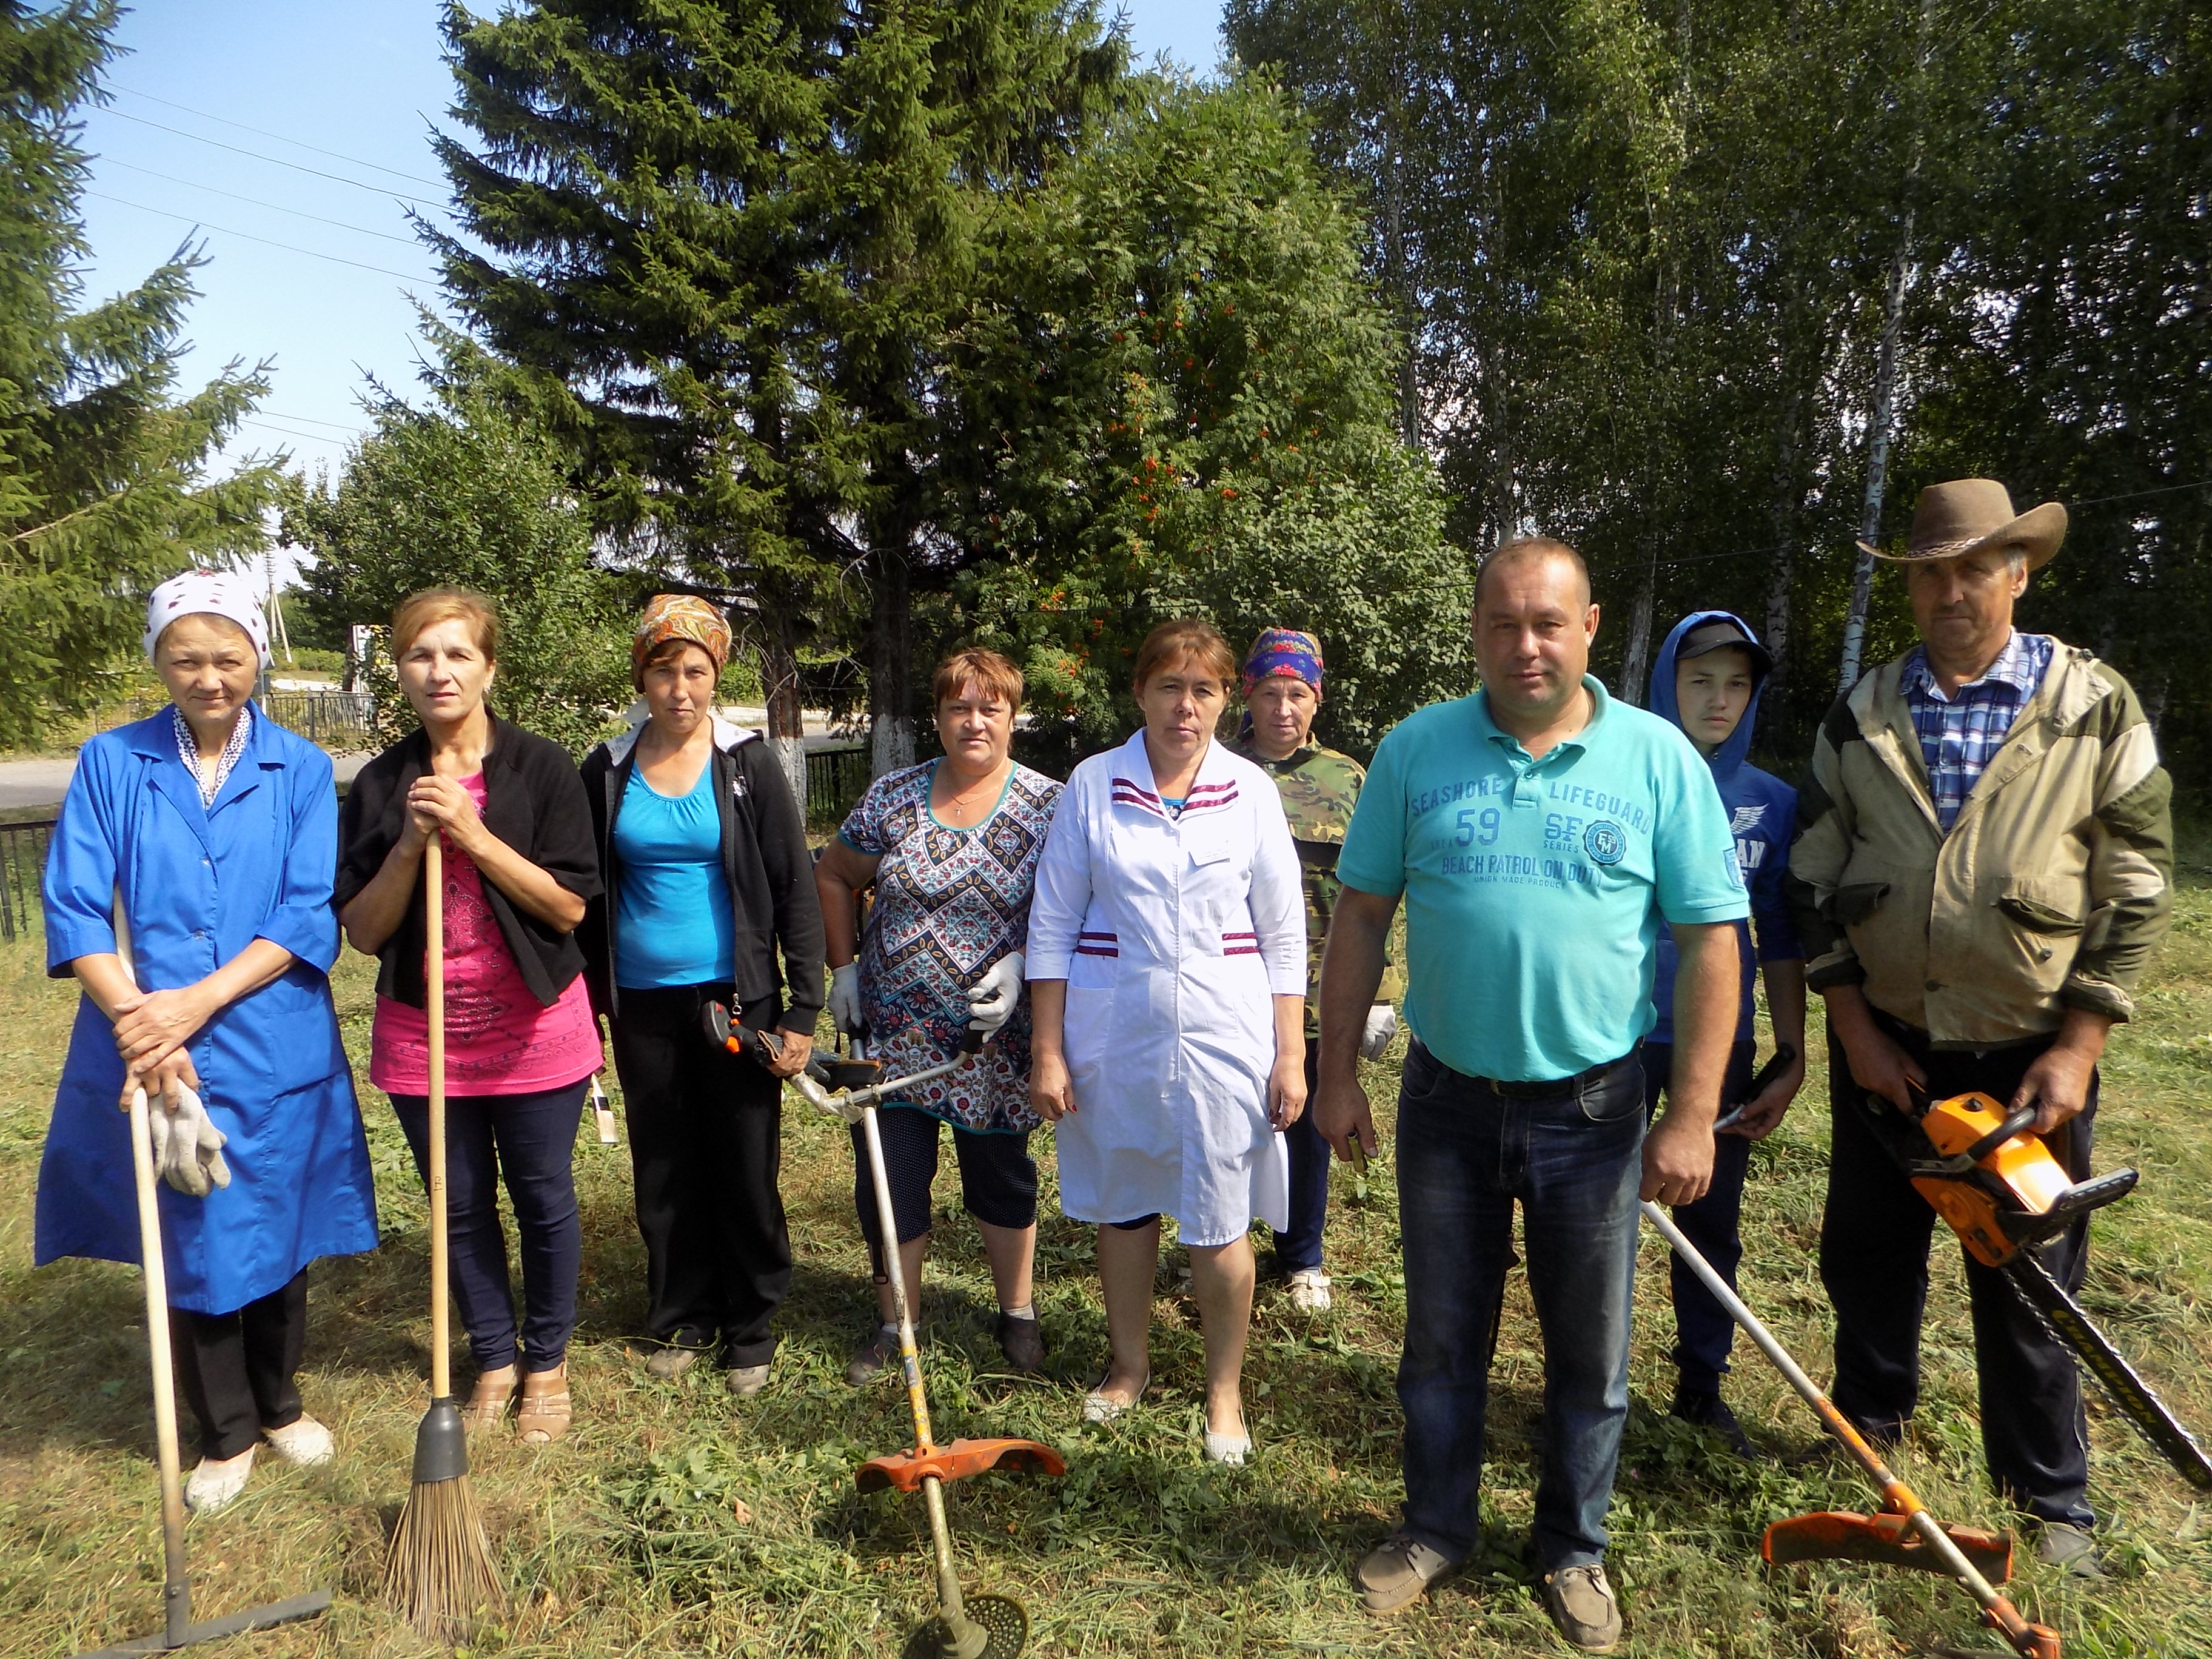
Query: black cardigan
[
  {"x": 533, "y": 801},
  {"x": 765, "y": 861}
]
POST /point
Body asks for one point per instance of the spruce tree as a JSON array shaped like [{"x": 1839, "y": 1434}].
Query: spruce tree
[
  {"x": 103, "y": 489},
  {"x": 719, "y": 239}
]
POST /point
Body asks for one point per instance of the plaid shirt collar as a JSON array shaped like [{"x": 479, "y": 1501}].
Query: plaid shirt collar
[{"x": 1961, "y": 734}]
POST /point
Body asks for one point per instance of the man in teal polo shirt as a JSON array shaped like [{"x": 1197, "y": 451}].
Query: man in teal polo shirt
[{"x": 1541, "y": 835}]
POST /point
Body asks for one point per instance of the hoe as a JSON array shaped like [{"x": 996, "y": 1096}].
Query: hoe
[{"x": 966, "y": 1626}]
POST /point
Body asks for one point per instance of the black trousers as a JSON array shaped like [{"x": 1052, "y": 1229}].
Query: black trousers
[
  {"x": 1704, "y": 1330},
  {"x": 236, "y": 1369},
  {"x": 998, "y": 1176},
  {"x": 1873, "y": 1262},
  {"x": 705, "y": 1145}
]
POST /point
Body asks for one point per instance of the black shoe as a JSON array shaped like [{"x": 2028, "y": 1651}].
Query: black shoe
[
  {"x": 878, "y": 1351},
  {"x": 1709, "y": 1410},
  {"x": 1022, "y": 1340}
]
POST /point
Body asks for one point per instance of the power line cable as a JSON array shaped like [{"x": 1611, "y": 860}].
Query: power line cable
[
  {"x": 273, "y": 160},
  {"x": 282, "y": 138},
  {"x": 255, "y": 201},
  {"x": 404, "y": 275},
  {"x": 308, "y": 420},
  {"x": 270, "y": 426}
]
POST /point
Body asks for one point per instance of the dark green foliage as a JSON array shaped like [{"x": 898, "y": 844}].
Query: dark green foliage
[
  {"x": 461, "y": 496},
  {"x": 1176, "y": 397},
  {"x": 1644, "y": 253},
  {"x": 102, "y": 487},
  {"x": 720, "y": 242}
]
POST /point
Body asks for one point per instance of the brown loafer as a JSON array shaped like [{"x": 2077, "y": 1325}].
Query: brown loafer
[
  {"x": 545, "y": 1412},
  {"x": 487, "y": 1403}
]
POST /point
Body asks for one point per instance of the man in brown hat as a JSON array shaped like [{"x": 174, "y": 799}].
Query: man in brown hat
[{"x": 1984, "y": 863}]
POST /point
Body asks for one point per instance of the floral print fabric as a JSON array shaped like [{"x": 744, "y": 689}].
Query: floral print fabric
[{"x": 949, "y": 904}]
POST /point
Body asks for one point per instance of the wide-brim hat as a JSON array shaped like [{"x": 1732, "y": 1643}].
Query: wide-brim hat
[{"x": 1967, "y": 515}]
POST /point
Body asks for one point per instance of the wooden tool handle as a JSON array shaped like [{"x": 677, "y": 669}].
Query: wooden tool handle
[
  {"x": 434, "y": 975},
  {"x": 176, "y": 1594}
]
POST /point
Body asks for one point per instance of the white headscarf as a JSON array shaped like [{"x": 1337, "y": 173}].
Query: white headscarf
[{"x": 207, "y": 592}]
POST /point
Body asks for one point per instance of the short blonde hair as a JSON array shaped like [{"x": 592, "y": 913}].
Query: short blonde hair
[
  {"x": 1188, "y": 636},
  {"x": 433, "y": 605},
  {"x": 986, "y": 669}
]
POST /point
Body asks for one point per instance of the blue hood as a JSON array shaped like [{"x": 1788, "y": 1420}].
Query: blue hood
[{"x": 1731, "y": 754}]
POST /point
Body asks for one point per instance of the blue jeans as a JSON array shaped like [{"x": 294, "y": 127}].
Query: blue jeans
[
  {"x": 1704, "y": 1330},
  {"x": 527, "y": 1141},
  {"x": 1466, "y": 1155}
]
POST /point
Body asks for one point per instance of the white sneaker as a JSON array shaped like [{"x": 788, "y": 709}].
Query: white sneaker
[
  {"x": 1309, "y": 1290},
  {"x": 212, "y": 1485},
  {"x": 304, "y": 1442}
]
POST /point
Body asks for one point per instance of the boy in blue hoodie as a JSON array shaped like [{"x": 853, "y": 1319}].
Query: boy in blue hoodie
[{"x": 1707, "y": 681}]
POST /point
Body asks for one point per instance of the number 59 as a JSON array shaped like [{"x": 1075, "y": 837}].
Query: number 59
[{"x": 1488, "y": 819}]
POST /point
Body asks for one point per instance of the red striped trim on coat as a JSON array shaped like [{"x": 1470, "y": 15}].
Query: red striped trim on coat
[{"x": 1240, "y": 944}]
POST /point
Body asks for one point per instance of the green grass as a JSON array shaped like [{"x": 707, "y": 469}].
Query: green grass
[{"x": 672, "y": 1522}]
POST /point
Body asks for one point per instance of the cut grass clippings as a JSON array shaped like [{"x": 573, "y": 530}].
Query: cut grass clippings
[{"x": 675, "y": 1521}]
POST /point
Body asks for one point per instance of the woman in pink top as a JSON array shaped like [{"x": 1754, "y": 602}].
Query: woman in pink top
[{"x": 520, "y": 1040}]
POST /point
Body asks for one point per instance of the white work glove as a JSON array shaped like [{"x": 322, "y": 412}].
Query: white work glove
[
  {"x": 991, "y": 999},
  {"x": 188, "y": 1146},
  {"x": 845, "y": 998},
  {"x": 1381, "y": 1026}
]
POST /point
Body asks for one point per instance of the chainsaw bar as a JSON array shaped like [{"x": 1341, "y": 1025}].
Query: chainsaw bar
[{"x": 2063, "y": 1317}]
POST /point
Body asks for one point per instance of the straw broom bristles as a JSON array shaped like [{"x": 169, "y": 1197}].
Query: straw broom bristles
[{"x": 441, "y": 1576}]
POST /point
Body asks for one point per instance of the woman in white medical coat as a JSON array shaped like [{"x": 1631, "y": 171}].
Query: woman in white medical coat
[{"x": 1167, "y": 976}]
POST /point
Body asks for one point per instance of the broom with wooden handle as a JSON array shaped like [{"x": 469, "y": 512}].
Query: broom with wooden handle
[{"x": 440, "y": 1575}]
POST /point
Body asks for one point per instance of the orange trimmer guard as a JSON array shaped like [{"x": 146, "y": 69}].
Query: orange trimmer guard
[
  {"x": 1835, "y": 1534},
  {"x": 905, "y": 1470}
]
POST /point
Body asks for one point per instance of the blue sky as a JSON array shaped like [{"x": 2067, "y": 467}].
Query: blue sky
[{"x": 292, "y": 134}]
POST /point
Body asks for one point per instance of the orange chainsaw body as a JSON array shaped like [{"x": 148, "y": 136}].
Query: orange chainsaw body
[{"x": 2021, "y": 1175}]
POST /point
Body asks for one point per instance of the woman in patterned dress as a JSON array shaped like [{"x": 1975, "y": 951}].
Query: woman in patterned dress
[{"x": 951, "y": 850}]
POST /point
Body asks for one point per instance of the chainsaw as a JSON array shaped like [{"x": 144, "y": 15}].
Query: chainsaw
[{"x": 1996, "y": 1184}]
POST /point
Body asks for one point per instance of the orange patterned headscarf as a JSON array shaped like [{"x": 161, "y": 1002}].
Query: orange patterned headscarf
[{"x": 679, "y": 617}]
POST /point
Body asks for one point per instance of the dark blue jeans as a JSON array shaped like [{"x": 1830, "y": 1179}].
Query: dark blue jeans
[
  {"x": 1466, "y": 1155},
  {"x": 1298, "y": 1247},
  {"x": 1704, "y": 1332},
  {"x": 528, "y": 1139}
]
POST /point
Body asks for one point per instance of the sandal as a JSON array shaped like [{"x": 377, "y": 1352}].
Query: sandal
[
  {"x": 545, "y": 1414},
  {"x": 487, "y": 1403}
]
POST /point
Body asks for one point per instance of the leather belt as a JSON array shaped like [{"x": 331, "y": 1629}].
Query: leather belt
[{"x": 1551, "y": 1089}]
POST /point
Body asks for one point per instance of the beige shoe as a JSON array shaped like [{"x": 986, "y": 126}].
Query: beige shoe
[
  {"x": 1398, "y": 1572},
  {"x": 1309, "y": 1288},
  {"x": 489, "y": 1400},
  {"x": 746, "y": 1381},
  {"x": 1100, "y": 1407},
  {"x": 212, "y": 1485},
  {"x": 545, "y": 1412},
  {"x": 1581, "y": 1604},
  {"x": 302, "y": 1442}
]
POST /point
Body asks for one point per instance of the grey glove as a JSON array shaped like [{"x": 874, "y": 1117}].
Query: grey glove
[
  {"x": 1381, "y": 1026},
  {"x": 188, "y": 1146}
]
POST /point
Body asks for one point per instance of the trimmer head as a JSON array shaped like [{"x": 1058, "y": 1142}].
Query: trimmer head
[
  {"x": 1003, "y": 1622},
  {"x": 1835, "y": 1535},
  {"x": 905, "y": 1470}
]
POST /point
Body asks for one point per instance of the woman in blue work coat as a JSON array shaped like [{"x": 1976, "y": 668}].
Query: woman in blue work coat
[{"x": 213, "y": 832}]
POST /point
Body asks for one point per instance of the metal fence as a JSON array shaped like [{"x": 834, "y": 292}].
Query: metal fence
[
  {"x": 836, "y": 778},
  {"x": 335, "y": 720},
  {"x": 23, "y": 866}
]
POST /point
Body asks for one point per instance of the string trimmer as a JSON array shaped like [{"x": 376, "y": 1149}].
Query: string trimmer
[
  {"x": 1904, "y": 1535},
  {"x": 848, "y": 1087}
]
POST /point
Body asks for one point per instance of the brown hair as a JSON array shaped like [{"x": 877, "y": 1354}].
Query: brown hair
[
  {"x": 1530, "y": 549},
  {"x": 669, "y": 650},
  {"x": 1186, "y": 636},
  {"x": 975, "y": 665},
  {"x": 433, "y": 605}
]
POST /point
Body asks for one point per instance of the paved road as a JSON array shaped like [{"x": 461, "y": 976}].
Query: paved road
[{"x": 43, "y": 783}]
